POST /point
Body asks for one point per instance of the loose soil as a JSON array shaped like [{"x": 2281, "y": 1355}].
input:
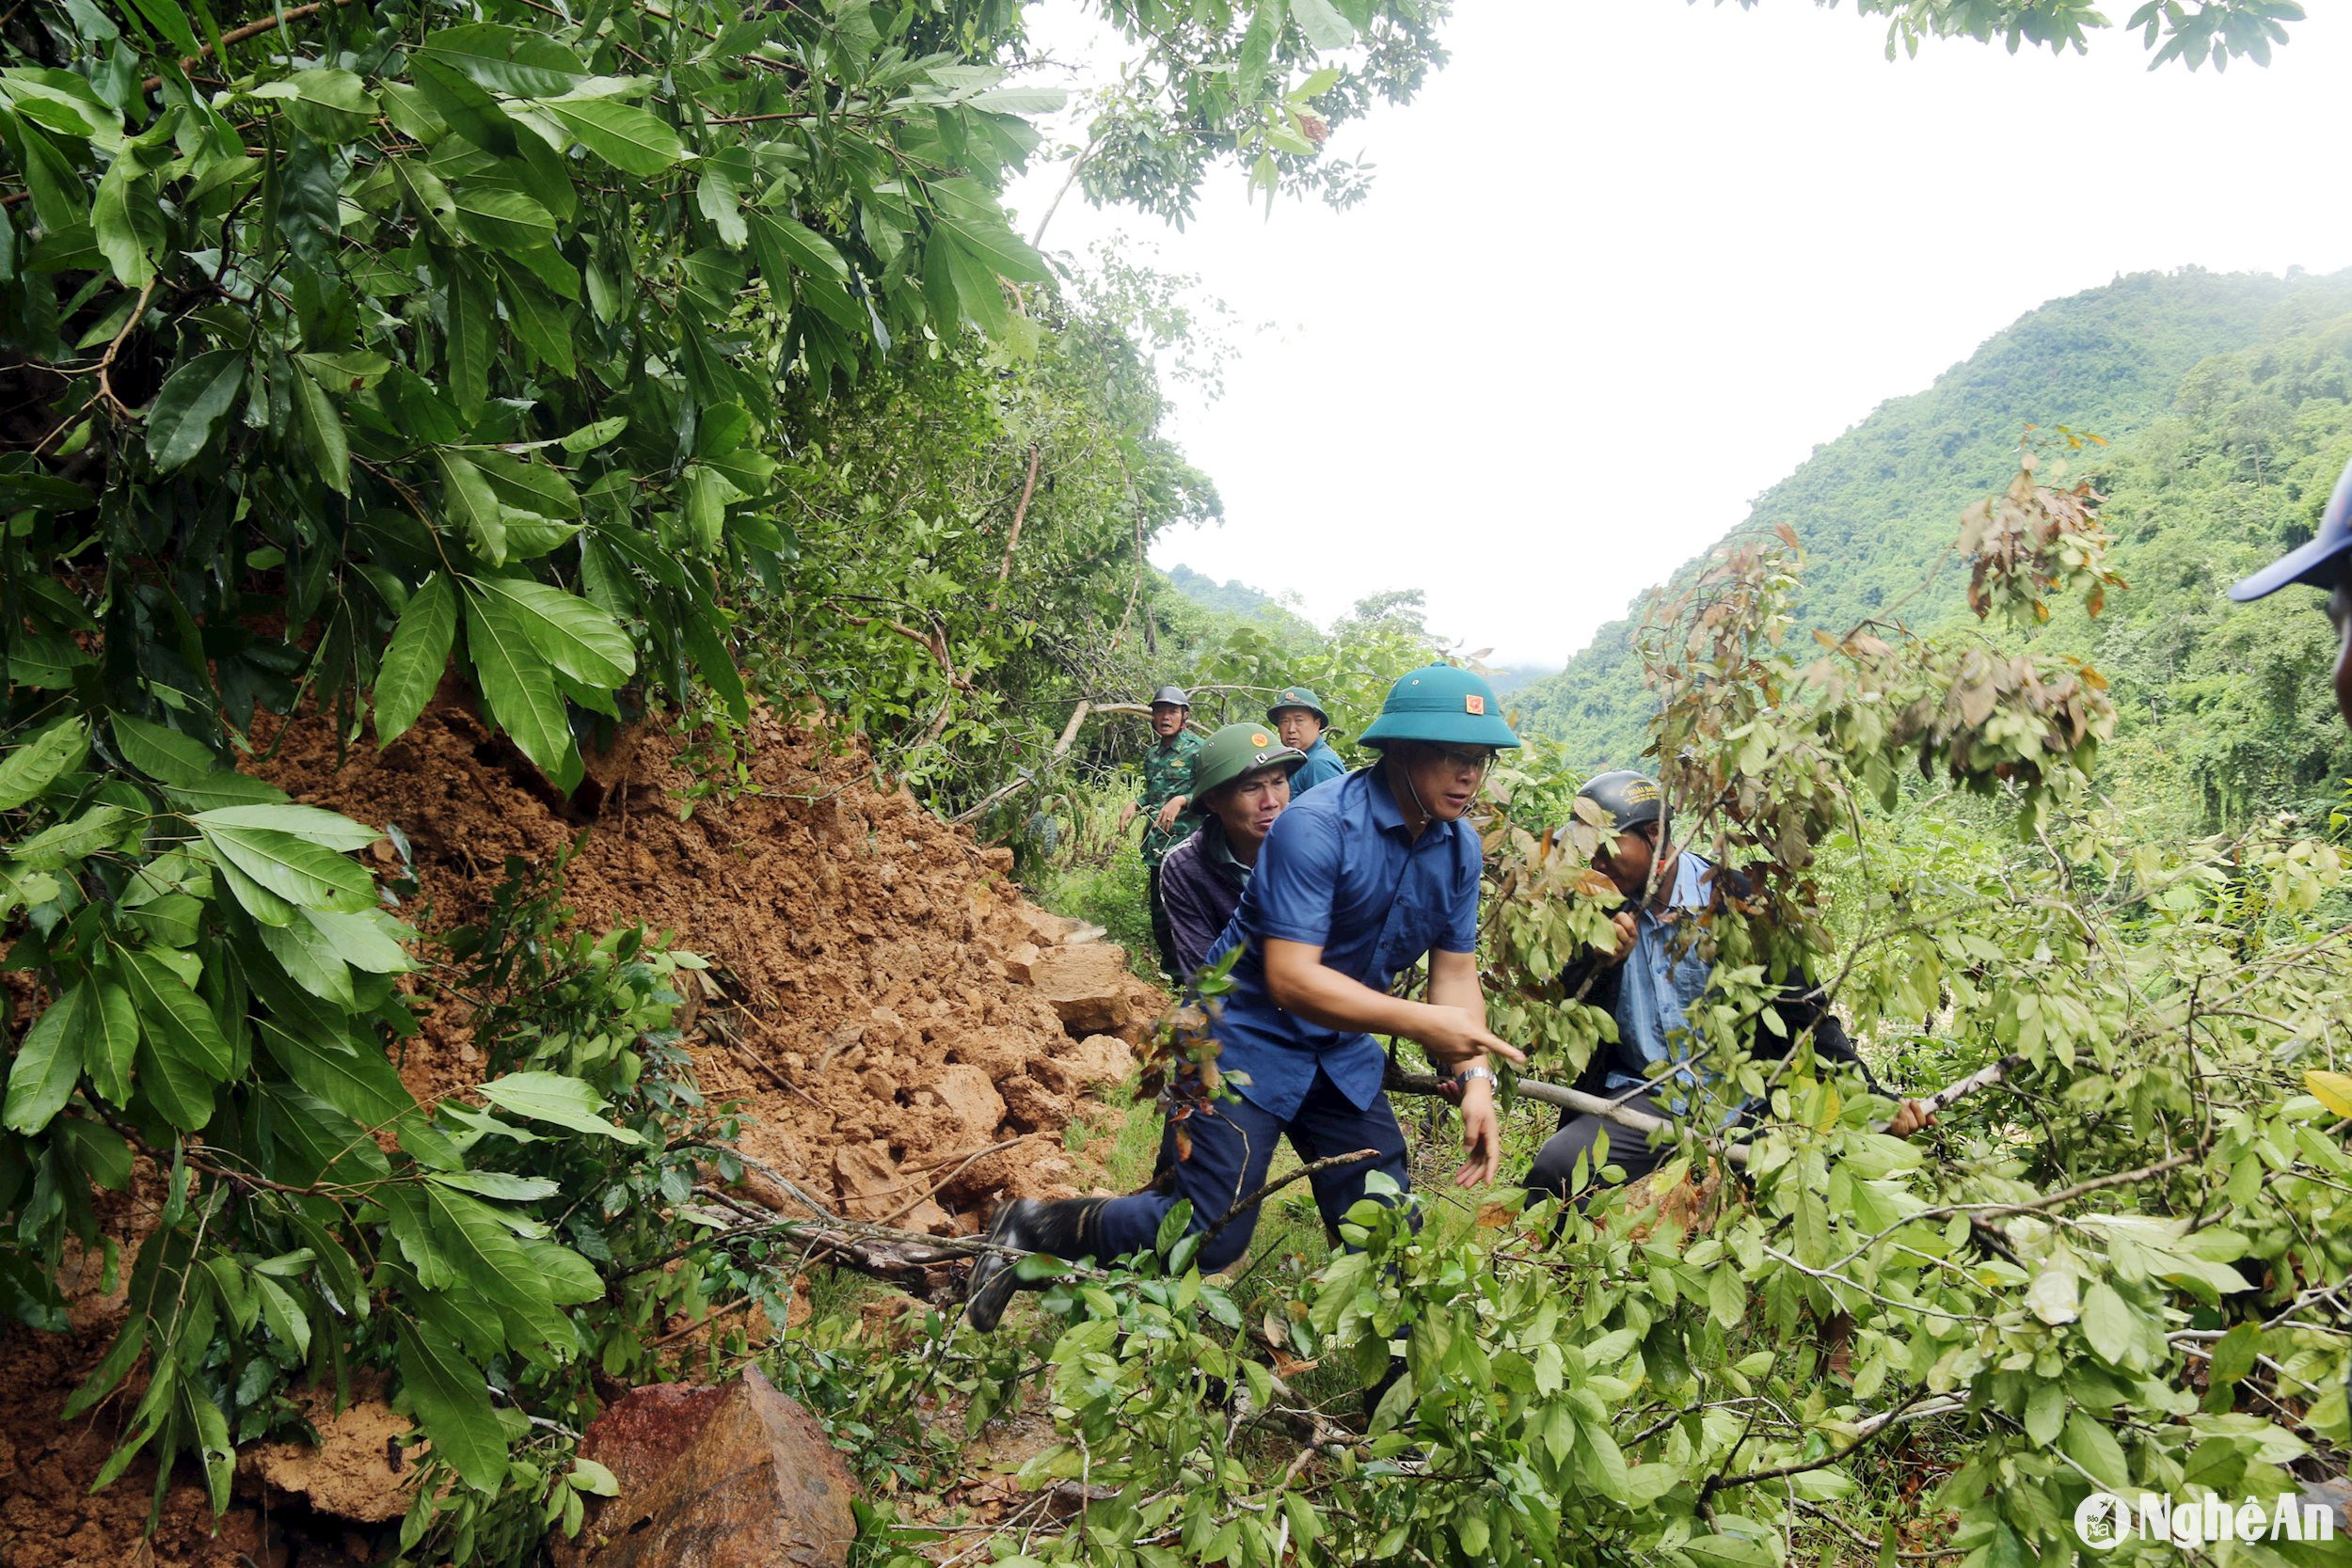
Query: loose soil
[{"x": 889, "y": 1011}]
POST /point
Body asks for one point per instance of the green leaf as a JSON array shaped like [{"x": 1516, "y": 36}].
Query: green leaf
[
  {"x": 2108, "y": 1322},
  {"x": 293, "y": 868},
  {"x": 702, "y": 627},
  {"x": 352, "y": 1076},
  {"x": 416, "y": 658},
  {"x": 508, "y": 59},
  {"x": 588, "y": 437},
  {"x": 504, "y": 220},
  {"x": 1323, "y": 27},
  {"x": 323, "y": 433},
  {"x": 33, "y": 766},
  {"x": 518, "y": 685},
  {"x": 572, "y": 635},
  {"x": 536, "y": 318},
  {"x": 328, "y": 829},
  {"x": 174, "y": 1019},
  {"x": 55, "y": 848},
  {"x": 2090, "y": 1444},
  {"x": 193, "y": 399},
  {"x": 125, "y": 222},
  {"x": 469, "y": 501},
  {"x": 551, "y": 1097},
  {"x": 452, "y": 1402},
  {"x": 284, "y": 1316},
  {"x": 628, "y": 138},
  {"x": 498, "y": 1184},
  {"x": 113, "y": 1041},
  {"x": 166, "y": 18},
  {"x": 48, "y": 1062},
  {"x": 59, "y": 200},
  {"x": 164, "y": 756},
  {"x": 472, "y": 333},
  {"x": 463, "y": 107},
  {"x": 532, "y": 487},
  {"x": 1727, "y": 1551}
]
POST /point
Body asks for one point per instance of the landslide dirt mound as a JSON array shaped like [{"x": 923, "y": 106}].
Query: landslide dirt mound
[
  {"x": 898, "y": 1006},
  {"x": 890, "y": 1005}
]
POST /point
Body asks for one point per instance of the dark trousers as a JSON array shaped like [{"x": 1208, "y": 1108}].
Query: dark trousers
[
  {"x": 1555, "y": 1163},
  {"x": 1163, "y": 932},
  {"x": 1232, "y": 1145}
]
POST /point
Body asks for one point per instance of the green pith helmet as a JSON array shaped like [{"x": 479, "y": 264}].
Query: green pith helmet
[
  {"x": 1443, "y": 705},
  {"x": 1171, "y": 696},
  {"x": 1298, "y": 696},
  {"x": 1628, "y": 798},
  {"x": 1232, "y": 751}
]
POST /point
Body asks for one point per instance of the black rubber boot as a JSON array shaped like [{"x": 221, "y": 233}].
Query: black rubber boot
[{"x": 1031, "y": 1226}]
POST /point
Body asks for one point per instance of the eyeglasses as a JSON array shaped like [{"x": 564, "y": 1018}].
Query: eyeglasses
[{"x": 1464, "y": 760}]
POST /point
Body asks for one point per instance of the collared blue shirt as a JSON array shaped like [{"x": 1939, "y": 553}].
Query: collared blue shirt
[
  {"x": 1322, "y": 766},
  {"x": 1339, "y": 871},
  {"x": 1664, "y": 975}
]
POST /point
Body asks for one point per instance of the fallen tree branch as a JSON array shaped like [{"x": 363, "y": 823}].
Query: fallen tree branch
[
  {"x": 948, "y": 1179},
  {"x": 251, "y": 29},
  {"x": 1249, "y": 1204},
  {"x": 864, "y": 1249},
  {"x": 1984, "y": 1078},
  {"x": 1581, "y": 1103},
  {"x": 1012, "y": 535},
  {"x": 1400, "y": 1082}
]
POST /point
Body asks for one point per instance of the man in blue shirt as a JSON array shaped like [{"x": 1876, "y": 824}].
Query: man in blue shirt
[
  {"x": 1658, "y": 969},
  {"x": 1298, "y": 713},
  {"x": 1354, "y": 885}
]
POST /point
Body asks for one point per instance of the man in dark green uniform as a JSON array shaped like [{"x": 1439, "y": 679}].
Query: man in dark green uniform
[{"x": 1167, "y": 791}]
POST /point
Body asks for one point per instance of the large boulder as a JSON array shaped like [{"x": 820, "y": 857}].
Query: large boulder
[
  {"x": 1088, "y": 985},
  {"x": 734, "y": 1476}
]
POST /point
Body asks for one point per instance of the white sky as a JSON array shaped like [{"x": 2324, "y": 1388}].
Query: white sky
[{"x": 1627, "y": 261}]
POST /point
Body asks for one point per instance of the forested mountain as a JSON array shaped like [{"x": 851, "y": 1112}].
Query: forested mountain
[
  {"x": 1235, "y": 597},
  {"x": 2222, "y": 397}
]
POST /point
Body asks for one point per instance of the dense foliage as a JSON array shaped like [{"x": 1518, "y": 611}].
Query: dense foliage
[
  {"x": 648, "y": 358},
  {"x": 2119, "y": 1264}
]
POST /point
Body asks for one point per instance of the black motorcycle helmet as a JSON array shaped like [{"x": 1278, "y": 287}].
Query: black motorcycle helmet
[{"x": 1630, "y": 799}]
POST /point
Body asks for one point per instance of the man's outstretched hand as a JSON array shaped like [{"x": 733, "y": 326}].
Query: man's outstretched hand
[
  {"x": 1453, "y": 1037},
  {"x": 1482, "y": 1135},
  {"x": 1910, "y": 1116}
]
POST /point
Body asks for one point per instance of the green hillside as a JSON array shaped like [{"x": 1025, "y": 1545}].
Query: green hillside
[{"x": 2221, "y": 395}]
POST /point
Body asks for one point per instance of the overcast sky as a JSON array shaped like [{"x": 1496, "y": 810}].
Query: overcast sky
[{"x": 1627, "y": 262}]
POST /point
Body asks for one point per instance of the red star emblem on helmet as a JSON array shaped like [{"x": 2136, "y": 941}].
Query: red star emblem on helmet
[{"x": 1473, "y": 704}]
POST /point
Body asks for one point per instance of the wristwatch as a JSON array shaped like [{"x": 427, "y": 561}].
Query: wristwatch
[{"x": 1471, "y": 1074}]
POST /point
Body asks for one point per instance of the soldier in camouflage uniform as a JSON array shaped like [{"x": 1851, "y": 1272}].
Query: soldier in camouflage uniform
[{"x": 1167, "y": 790}]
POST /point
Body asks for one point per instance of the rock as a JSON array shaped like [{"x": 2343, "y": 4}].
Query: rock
[
  {"x": 965, "y": 1091},
  {"x": 996, "y": 862},
  {"x": 1034, "y": 1107},
  {"x": 1100, "y": 1060},
  {"x": 1045, "y": 929},
  {"x": 870, "y": 1184},
  {"x": 349, "y": 1472},
  {"x": 736, "y": 1476},
  {"x": 1021, "y": 962},
  {"x": 1087, "y": 986}
]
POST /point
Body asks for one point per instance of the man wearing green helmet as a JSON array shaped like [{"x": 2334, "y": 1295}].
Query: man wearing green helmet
[
  {"x": 1167, "y": 790},
  {"x": 1354, "y": 884},
  {"x": 1658, "y": 968},
  {"x": 1298, "y": 713},
  {"x": 1241, "y": 782}
]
